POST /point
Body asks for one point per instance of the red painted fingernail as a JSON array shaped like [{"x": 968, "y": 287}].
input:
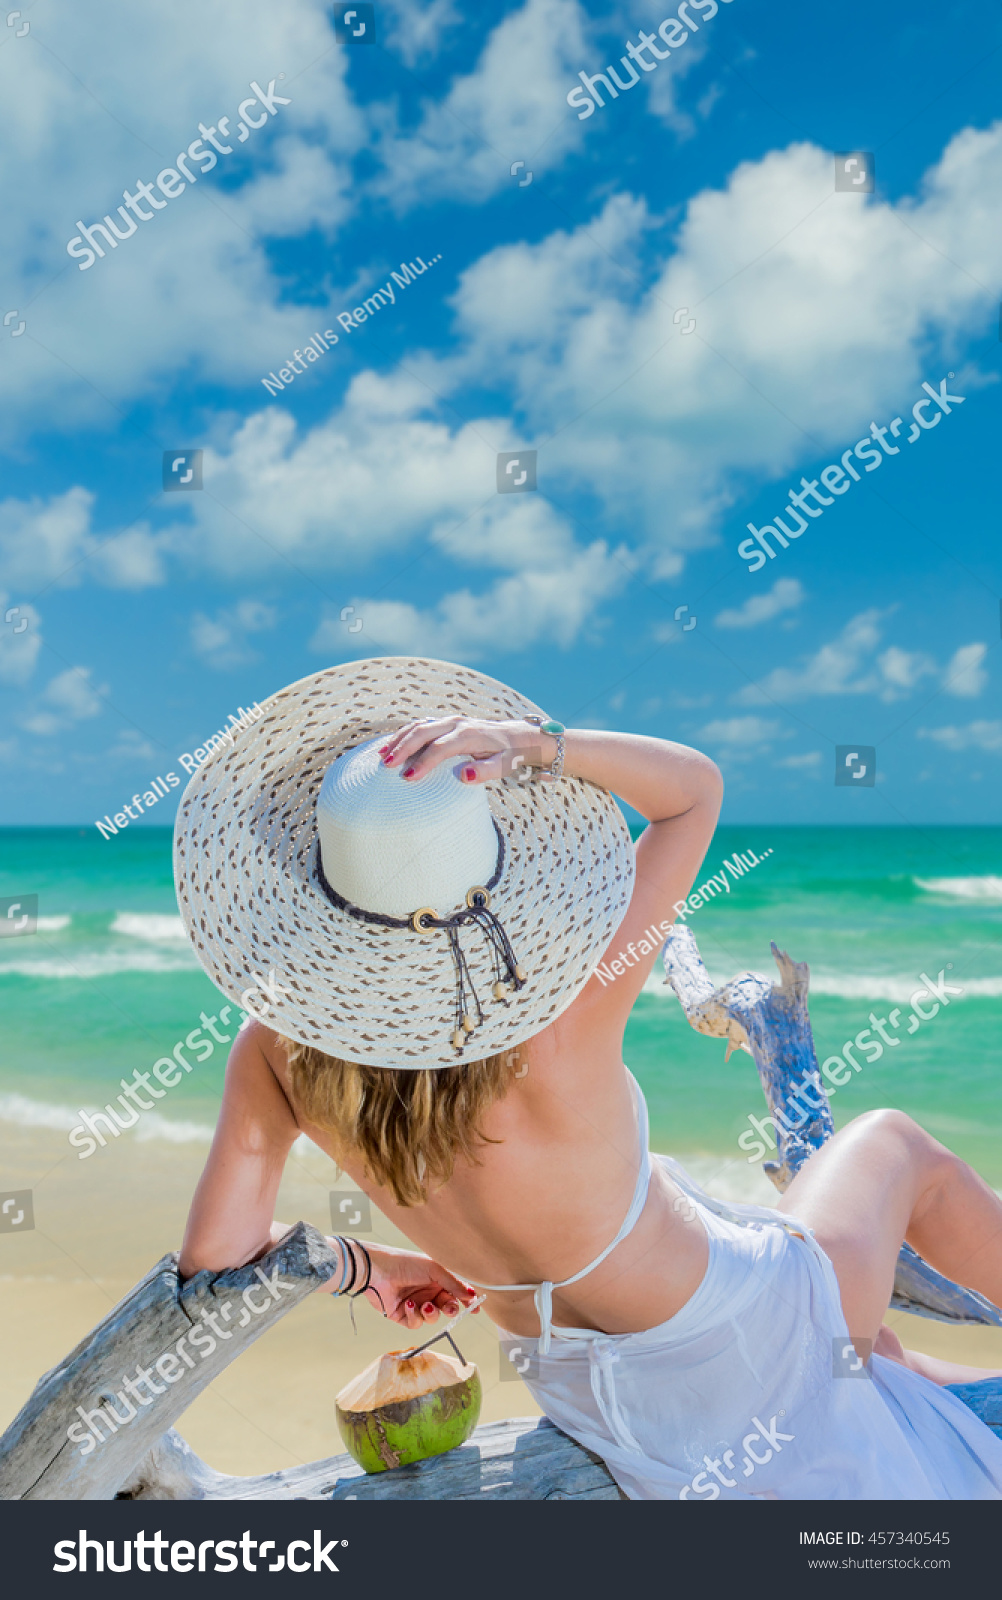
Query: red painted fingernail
[
  {"x": 427, "y": 1306},
  {"x": 469, "y": 773},
  {"x": 408, "y": 772},
  {"x": 410, "y": 1305}
]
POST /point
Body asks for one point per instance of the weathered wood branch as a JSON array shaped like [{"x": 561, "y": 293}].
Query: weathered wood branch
[
  {"x": 524, "y": 1458},
  {"x": 771, "y": 1020},
  {"x": 93, "y": 1418}
]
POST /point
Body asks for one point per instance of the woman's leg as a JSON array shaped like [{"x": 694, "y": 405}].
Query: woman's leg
[
  {"x": 881, "y": 1180},
  {"x": 888, "y": 1344}
]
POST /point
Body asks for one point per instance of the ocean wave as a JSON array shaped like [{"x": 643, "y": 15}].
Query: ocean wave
[
  {"x": 152, "y": 1126},
  {"x": 52, "y": 924},
  {"x": 155, "y": 1127},
  {"x": 859, "y": 986},
  {"x": 988, "y": 888},
  {"x": 874, "y": 986},
  {"x": 149, "y": 925},
  {"x": 26, "y": 1113},
  {"x": 90, "y": 964}
]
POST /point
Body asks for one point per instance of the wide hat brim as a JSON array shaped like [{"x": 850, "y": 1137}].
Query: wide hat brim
[{"x": 244, "y": 854}]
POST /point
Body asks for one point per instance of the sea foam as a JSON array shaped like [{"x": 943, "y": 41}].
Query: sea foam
[
  {"x": 27, "y": 1113},
  {"x": 94, "y": 964},
  {"x": 986, "y": 888},
  {"x": 855, "y": 985},
  {"x": 148, "y": 925}
]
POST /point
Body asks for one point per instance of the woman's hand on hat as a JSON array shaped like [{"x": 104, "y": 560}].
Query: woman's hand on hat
[
  {"x": 491, "y": 749},
  {"x": 414, "y": 1290}
]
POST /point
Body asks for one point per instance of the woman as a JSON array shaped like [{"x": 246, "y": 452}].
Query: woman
[{"x": 426, "y": 926}]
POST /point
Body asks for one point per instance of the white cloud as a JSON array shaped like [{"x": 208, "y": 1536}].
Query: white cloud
[
  {"x": 51, "y": 541},
  {"x": 827, "y": 308},
  {"x": 834, "y": 669},
  {"x": 72, "y": 697},
  {"x": 418, "y": 31},
  {"x": 132, "y": 746},
  {"x": 901, "y": 670},
  {"x": 976, "y": 736},
  {"x": 549, "y": 594},
  {"x": 785, "y": 595},
  {"x": 41, "y": 540},
  {"x": 849, "y": 664},
  {"x": 743, "y": 732},
  {"x": 513, "y": 106},
  {"x": 827, "y": 315},
  {"x": 375, "y": 475},
  {"x": 808, "y": 762},
  {"x": 114, "y": 330},
  {"x": 965, "y": 676},
  {"x": 222, "y": 640}
]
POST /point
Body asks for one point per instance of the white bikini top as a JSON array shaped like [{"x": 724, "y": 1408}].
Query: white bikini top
[{"x": 543, "y": 1295}]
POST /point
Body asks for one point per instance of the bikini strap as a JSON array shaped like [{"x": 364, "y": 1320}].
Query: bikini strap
[{"x": 543, "y": 1295}]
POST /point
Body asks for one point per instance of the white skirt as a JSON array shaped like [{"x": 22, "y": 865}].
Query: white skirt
[{"x": 752, "y": 1390}]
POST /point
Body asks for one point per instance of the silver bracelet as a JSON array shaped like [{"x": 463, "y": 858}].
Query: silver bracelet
[{"x": 558, "y": 732}]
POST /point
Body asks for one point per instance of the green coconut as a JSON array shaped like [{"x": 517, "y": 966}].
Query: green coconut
[{"x": 399, "y": 1411}]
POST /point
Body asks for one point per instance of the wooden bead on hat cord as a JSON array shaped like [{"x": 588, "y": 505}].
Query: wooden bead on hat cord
[{"x": 509, "y": 976}]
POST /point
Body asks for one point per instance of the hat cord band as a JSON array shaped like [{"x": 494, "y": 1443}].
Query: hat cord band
[{"x": 508, "y": 975}]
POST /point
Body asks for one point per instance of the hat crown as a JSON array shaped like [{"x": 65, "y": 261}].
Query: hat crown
[{"x": 393, "y": 846}]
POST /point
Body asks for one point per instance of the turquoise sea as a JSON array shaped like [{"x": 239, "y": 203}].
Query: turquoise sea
[{"x": 107, "y": 984}]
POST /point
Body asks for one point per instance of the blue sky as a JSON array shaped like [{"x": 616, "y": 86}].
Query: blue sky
[{"x": 556, "y": 316}]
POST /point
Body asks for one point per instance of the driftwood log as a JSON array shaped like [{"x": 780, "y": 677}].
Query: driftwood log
[
  {"x": 771, "y": 1022},
  {"x": 100, "y": 1425},
  {"x": 523, "y": 1459},
  {"x": 182, "y": 1336}
]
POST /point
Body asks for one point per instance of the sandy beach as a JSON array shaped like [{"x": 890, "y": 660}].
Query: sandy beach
[{"x": 100, "y": 1224}]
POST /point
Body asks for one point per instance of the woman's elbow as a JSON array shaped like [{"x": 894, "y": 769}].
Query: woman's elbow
[{"x": 706, "y": 781}]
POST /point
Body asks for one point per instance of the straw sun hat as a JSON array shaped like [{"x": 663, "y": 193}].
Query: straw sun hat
[{"x": 380, "y": 912}]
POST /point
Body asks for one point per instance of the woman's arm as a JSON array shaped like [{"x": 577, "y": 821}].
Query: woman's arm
[
  {"x": 231, "y": 1221},
  {"x": 677, "y": 789}
]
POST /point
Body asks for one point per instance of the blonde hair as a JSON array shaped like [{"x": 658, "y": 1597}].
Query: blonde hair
[{"x": 408, "y": 1125}]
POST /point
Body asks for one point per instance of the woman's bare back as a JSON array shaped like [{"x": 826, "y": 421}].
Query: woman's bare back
[{"x": 551, "y": 1193}]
